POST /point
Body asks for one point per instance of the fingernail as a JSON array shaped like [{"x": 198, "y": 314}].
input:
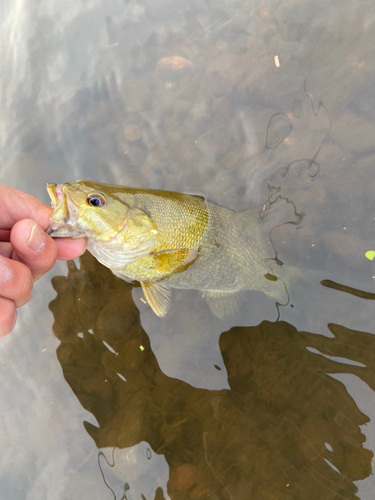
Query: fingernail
[
  {"x": 37, "y": 238},
  {"x": 4, "y": 272}
]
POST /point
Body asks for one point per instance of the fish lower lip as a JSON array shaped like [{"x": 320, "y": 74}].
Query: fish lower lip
[
  {"x": 63, "y": 231},
  {"x": 53, "y": 227}
]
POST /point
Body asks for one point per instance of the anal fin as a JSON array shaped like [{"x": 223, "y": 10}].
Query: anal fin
[
  {"x": 158, "y": 296},
  {"x": 223, "y": 303}
]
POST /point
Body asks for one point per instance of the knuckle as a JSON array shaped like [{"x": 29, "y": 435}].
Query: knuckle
[
  {"x": 25, "y": 285},
  {"x": 19, "y": 285}
]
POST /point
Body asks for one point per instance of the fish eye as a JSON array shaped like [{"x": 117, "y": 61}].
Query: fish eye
[{"x": 96, "y": 200}]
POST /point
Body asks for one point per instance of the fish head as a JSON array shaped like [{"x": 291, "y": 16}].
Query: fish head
[
  {"x": 80, "y": 210},
  {"x": 93, "y": 210}
]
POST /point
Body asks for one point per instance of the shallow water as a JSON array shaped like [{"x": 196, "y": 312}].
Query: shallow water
[{"x": 273, "y": 103}]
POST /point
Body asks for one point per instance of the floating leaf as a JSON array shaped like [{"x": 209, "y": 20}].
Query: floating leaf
[{"x": 370, "y": 254}]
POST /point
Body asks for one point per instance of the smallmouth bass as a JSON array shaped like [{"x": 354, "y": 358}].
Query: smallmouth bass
[{"x": 165, "y": 240}]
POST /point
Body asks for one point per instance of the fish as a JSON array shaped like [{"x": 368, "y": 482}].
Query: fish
[{"x": 166, "y": 240}]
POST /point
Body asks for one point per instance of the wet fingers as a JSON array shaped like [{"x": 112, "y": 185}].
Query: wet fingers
[
  {"x": 5, "y": 249},
  {"x": 33, "y": 247},
  {"x": 68, "y": 249},
  {"x": 8, "y": 316},
  {"x": 16, "y": 281}
]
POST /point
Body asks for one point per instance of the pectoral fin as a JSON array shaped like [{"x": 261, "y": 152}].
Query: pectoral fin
[
  {"x": 170, "y": 261},
  {"x": 223, "y": 303},
  {"x": 158, "y": 296}
]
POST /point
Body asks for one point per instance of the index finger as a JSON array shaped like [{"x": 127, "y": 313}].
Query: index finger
[{"x": 17, "y": 205}]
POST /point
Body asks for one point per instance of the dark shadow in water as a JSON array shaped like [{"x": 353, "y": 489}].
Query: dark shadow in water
[
  {"x": 348, "y": 289},
  {"x": 286, "y": 429}
]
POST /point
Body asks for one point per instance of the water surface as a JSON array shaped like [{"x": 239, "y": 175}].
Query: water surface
[{"x": 272, "y": 103}]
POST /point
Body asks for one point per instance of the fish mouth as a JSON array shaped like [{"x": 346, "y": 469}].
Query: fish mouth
[
  {"x": 65, "y": 212},
  {"x": 53, "y": 194}
]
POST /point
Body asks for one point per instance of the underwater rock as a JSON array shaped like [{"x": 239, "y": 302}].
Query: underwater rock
[
  {"x": 173, "y": 68},
  {"x": 220, "y": 86},
  {"x": 135, "y": 95},
  {"x": 134, "y": 153},
  {"x": 132, "y": 133},
  {"x": 186, "y": 477}
]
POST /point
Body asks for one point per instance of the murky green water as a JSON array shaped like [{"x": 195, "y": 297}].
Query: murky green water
[{"x": 273, "y": 103}]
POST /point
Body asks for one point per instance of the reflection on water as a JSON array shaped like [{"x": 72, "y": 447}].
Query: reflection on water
[{"x": 285, "y": 428}]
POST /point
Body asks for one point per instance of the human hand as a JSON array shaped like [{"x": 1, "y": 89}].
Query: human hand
[{"x": 26, "y": 251}]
